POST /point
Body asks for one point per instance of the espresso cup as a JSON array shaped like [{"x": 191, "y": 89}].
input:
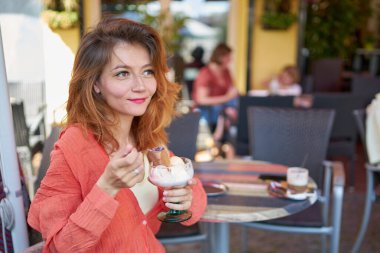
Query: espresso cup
[{"x": 297, "y": 179}]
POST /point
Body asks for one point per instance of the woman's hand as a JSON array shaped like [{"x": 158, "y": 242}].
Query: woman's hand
[
  {"x": 125, "y": 169},
  {"x": 232, "y": 93},
  {"x": 179, "y": 198}
]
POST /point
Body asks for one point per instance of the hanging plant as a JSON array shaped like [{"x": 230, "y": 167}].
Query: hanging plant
[
  {"x": 277, "y": 15},
  {"x": 62, "y": 14}
]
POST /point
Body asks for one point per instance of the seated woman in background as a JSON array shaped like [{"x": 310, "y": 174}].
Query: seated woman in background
[
  {"x": 214, "y": 92},
  {"x": 285, "y": 83}
]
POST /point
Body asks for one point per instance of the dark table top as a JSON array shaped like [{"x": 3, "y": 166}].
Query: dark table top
[{"x": 246, "y": 198}]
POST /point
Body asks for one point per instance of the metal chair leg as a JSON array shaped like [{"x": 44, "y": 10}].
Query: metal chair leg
[
  {"x": 367, "y": 211},
  {"x": 244, "y": 241},
  {"x": 337, "y": 219},
  {"x": 324, "y": 243},
  {"x": 351, "y": 165}
]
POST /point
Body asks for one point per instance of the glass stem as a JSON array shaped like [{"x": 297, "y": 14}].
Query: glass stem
[{"x": 175, "y": 212}]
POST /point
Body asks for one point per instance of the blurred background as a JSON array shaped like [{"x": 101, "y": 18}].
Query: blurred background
[
  {"x": 330, "y": 42},
  {"x": 41, "y": 38}
]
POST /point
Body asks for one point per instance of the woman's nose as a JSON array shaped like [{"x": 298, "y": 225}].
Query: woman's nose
[{"x": 139, "y": 84}]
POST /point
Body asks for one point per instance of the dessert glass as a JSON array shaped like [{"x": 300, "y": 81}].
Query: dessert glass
[{"x": 172, "y": 182}]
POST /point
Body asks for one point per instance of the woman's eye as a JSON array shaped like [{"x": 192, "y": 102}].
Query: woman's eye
[
  {"x": 122, "y": 74},
  {"x": 148, "y": 73}
]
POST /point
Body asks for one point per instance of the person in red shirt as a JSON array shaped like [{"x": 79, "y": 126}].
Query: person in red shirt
[
  {"x": 214, "y": 91},
  {"x": 95, "y": 196}
]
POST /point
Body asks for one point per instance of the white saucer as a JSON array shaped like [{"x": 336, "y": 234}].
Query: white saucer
[{"x": 299, "y": 196}]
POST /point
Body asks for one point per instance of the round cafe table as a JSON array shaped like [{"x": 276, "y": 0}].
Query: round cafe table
[{"x": 246, "y": 198}]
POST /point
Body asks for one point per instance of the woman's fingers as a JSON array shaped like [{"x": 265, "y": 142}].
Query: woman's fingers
[
  {"x": 127, "y": 166},
  {"x": 176, "y": 192},
  {"x": 128, "y": 163},
  {"x": 191, "y": 182},
  {"x": 123, "y": 152},
  {"x": 178, "y": 199},
  {"x": 178, "y": 206},
  {"x": 133, "y": 178}
]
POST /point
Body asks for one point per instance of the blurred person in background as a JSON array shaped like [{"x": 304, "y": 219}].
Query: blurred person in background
[
  {"x": 197, "y": 61},
  {"x": 286, "y": 83},
  {"x": 214, "y": 93},
  {"x": 192, "y": 68}
]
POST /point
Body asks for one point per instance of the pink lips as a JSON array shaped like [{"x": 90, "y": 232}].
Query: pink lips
[{"x": 137, "y": 100}]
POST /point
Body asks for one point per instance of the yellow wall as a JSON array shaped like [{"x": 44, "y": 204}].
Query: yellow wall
[
  {"x": 92, "y": 13},
  {"x": 237, "y": 38},
  {"x": 271, "y": 49},
  {"x": 71, "y": 37}
]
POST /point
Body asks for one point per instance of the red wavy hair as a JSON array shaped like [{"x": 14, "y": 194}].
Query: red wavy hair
[{"x": 88, "y": 110}]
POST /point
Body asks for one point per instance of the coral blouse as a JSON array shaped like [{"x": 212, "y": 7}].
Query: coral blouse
[
  {"x": 74, "y": 215},
  {"x": 217, "y": 86}
]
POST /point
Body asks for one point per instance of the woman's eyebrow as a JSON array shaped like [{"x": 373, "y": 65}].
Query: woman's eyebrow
[{"x": 129, "y": 67}]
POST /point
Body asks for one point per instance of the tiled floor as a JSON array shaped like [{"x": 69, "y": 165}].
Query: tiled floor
[{"x": 270, "y": 242}]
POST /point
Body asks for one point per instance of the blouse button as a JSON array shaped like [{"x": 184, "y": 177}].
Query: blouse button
[{"x": 144, "y": 222}]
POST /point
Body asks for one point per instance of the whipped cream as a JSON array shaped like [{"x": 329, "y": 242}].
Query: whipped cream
[{"x": 177, "y": 174}]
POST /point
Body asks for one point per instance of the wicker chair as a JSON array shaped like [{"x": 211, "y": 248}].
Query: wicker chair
[
  {"x": 45, "y": 161},
  {"x": 29, "y": 140},
  {"x": 343, "y": 135},
  {"x": 183, "y": 133},
  {"x": 373, "y": 173},
  {"x": 326, "y": 75},
  {"x": 366, "y": 87},
  {"x": 300, "y": 138},
  {"x": 242, "y": 146}
]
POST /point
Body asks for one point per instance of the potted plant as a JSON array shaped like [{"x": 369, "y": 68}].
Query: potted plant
[
  {"x": 61, "y": 14},
  {"x": 338, "y": 28},
  {"x": 277, "y": 15}
]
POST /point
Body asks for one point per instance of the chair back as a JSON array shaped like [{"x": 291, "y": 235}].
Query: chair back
[
  {"x": 343, "y": 104},
  {"x": 293, "y": 137},
  {"x": 366, "y": 87},
  {"x": 242, "y": 146},
  {"x": 182, "y": 133},
  {"x": 19, "y": 124},
  {"x": 33, "y": 95},
  {"x": 327, "y": 74},
  {"x": 45, "y": 161},
  {"x": 343, "y": 136}
]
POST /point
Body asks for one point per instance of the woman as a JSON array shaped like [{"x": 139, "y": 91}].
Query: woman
[
  {"x": 214, "y": 92},
  {"x": 95, "y": 196}
]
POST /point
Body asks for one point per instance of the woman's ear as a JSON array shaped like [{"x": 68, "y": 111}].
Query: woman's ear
[{"x": 96, "y": 88}]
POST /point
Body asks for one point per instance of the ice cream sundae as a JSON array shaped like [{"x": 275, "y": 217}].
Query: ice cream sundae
[{"x": 177, "y": 174}]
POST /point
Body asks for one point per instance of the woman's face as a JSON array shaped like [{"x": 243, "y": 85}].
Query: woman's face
[
  {"x": 225, "y": 60},
  {"x": 127, "y": 83},
  {"x": 286, "y": 79}
]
